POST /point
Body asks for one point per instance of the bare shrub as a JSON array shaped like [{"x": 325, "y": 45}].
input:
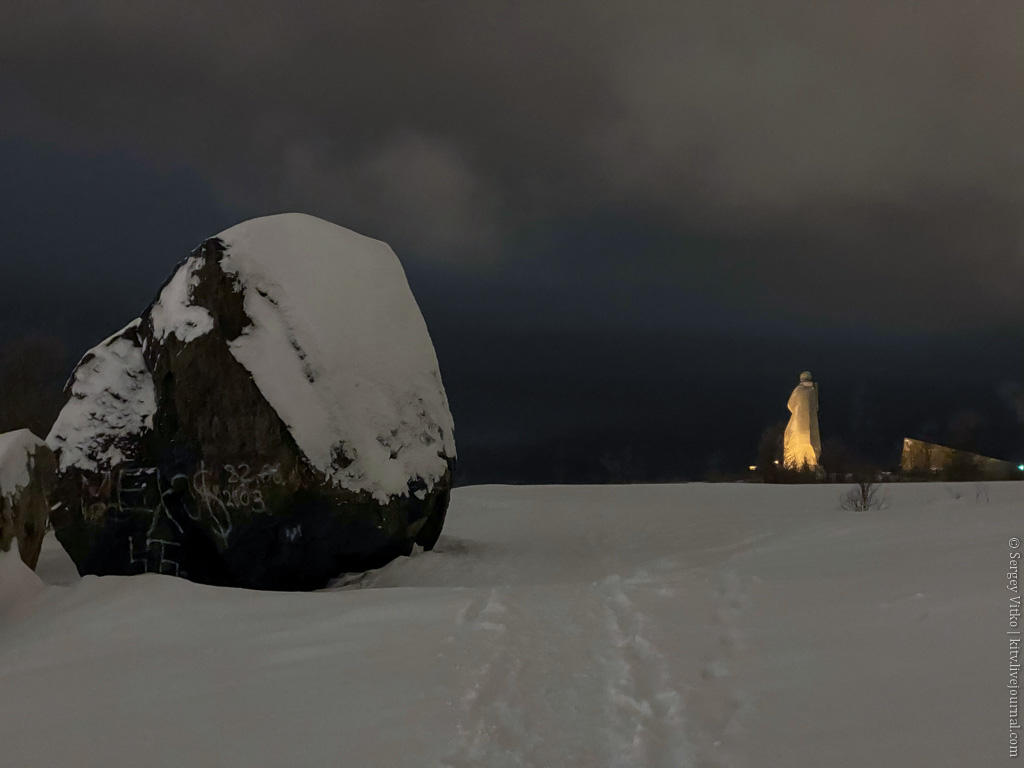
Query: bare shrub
[{"x": 865, "y": 495}]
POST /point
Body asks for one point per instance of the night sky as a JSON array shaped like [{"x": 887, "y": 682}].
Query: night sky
[{"x": 629, "y": 225}]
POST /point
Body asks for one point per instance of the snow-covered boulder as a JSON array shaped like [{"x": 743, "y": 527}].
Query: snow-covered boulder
[
  {"x": 274, "y": 418},
  {"x": 26, "y": 475}
]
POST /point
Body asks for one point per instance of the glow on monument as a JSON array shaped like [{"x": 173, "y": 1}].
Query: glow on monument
[{"x": 802, "y": 446}]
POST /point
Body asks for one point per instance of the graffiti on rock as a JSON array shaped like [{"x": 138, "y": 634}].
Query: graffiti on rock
[{"x": 144, "y": 493}]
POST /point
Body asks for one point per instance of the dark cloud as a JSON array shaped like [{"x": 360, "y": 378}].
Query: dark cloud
[
  {"x": 448, "y": 124},
  {"x": 750, "y": 170},
  {"x": 85, "y": 242}
]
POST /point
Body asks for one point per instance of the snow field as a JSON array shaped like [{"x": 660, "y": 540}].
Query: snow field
[{"x": 699, "y": 626}]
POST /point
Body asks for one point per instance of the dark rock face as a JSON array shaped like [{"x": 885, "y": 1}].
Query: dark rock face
[
  {"x": 24, "y": 499},
  {"x": 173, "y": 461}
]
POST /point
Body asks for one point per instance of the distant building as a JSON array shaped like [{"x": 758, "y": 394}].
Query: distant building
[{"x": 920, "y": 457}]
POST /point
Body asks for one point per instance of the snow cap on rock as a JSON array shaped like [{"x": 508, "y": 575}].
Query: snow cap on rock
[
  {"x": 338, "y": 347},
  {"x": 112, "y": 399},
  {"x": 16, "y": 450}
]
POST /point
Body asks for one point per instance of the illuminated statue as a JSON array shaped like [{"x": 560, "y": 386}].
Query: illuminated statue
[{"x": 802, "y": 446}]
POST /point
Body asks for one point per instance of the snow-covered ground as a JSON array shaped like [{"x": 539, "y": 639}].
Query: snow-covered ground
[{"x": 687, "y": 625}]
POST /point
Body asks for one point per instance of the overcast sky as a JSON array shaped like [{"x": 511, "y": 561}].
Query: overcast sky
[{"x": 629, "y": 224}]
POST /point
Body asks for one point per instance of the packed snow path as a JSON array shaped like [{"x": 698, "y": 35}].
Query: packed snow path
[{"x": 700, "y": 626}]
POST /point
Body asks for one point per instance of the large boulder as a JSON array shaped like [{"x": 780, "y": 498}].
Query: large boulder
[
  {"x": 27, "y": 468},
  {"x": 276, "y": 417}
]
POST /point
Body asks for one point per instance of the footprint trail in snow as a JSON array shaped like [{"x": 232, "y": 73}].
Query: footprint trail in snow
[{"x": 570, "y": 676}]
